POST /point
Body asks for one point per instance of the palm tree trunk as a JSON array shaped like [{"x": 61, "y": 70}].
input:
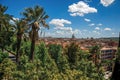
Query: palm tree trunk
[
  {"x": 19, "y": 38},
  {"x": 33, "y": 44},
  {"x": 0, "y": 27},
  {"x": 0, "y": 39}
]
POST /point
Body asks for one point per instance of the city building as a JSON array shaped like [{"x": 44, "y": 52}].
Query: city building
[{"x": 107, "y": 55}]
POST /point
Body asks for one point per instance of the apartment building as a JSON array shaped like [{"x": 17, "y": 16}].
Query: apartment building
[{"x": 108, "y": 54}]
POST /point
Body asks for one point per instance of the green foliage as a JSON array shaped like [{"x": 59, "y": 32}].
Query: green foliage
[
  {"x": 95, "y": 49},
  {"x": 13, "y": 46},
  {"x": 47, "y": 67},
  {"x": 95, "y": 53},
  {"x": 45, "y": 58},
  {"x": 72, "y": 53},
  {"x": 60, "y": 59},
  {"x": 55, "y": 51},
  {"x": 6, "y": 31},
  {"x": 42, "y": 53},
  {"x": 25, "y": 48},
  {"x": 7, "y": 67},
  {"x": 5, "y": 38},
  {"x": 118, "y": 55},
  {"x": 3, "y": 55}
]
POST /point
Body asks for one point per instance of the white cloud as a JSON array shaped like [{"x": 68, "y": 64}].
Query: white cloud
[
  {"x": 76, "y": 31},
  {"x": 97, "y": 28},
  {"x": 87, "y": 20},
  {"x": 60, "y": 32},
  {"x": 60, "y": 28},
  {"x": 106, "y": 2},
  {"x": 80, "y": 9},
  {"x": 99, "y": 24},
  {"x": 107, "y": 29},
  {"x": 12, "y": 22},
  {"x": 59, "y": 22},
  {"x": 113, "y": 33},
  {"x": 85, "y": 30},
  {"x": 96, "y": 32},
  {"x": 66, "y": 31},
  {"x": 92, "y": 24},
  {"x": 15, "y": 18},
  {"x": 64, "y": 28}
]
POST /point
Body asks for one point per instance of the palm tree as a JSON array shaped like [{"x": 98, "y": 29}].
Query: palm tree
[
  {"x": 20, "y": 30},
  {"x": 2, "y": 15},
  {"x": 4, "y": 26},
  {"x": 36, "y": 18},
  {"x": 95, "y": 52},
  {"x": 4, "y": 18}
]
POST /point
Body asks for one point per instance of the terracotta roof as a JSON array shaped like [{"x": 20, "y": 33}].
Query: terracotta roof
[{"x": 108, "y": 48}]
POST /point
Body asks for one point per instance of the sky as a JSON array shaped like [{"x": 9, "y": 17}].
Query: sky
[{"x": 83, "y": 18}]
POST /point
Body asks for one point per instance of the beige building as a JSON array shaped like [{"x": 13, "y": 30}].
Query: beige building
[{"x": 108, "y": 54}]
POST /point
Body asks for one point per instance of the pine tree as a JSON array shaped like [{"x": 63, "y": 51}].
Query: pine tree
[
  {"x": 72, "y": 53},
  {"x": 57, "y": 55}
]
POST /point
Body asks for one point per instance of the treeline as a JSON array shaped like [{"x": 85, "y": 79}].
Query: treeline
[
  {"x": 38, "y": 62},
  {"x": 50, "y": 63}
]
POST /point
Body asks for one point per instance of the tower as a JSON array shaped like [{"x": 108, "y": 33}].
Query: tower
[{"x": 73, "y": 36}]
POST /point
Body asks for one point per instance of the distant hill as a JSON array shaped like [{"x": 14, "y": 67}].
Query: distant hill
[{"x": 111, "y": 38}]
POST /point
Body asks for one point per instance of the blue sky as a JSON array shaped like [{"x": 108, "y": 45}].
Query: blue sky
[{"x": 84, "y": 18}]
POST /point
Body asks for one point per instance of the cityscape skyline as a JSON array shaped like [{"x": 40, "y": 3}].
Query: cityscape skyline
[{"x": 83, "y": 18}]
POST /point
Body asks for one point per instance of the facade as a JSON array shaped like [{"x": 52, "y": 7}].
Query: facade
[{"x": 108, "y": 54}]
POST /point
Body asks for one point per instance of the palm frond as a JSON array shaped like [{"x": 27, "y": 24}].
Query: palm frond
[{"x": 3, "y": 8}]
